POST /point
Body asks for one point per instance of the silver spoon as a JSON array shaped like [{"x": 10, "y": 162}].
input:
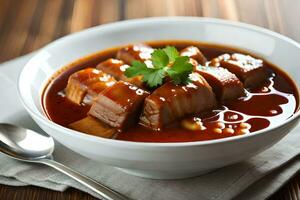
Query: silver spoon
[{"x": 29, "y": 146}]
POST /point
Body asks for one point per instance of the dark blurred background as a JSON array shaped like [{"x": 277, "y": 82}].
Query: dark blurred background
[{"x": 26, "y": 25}]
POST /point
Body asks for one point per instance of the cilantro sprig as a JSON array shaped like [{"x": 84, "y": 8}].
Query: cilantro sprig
[{"x": 166, "y": 62}]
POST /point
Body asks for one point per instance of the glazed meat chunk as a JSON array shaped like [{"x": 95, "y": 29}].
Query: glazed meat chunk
[
  {"x": 86, "y": 84},
  {"x": 249, "y": 70},
  {"x": 114, "y": 67},
  {"x": 194, "y": 53},
  {"x": 170, "y": 102},
  {"x": 225, "y": 84},
  {"x": 93, "y": 126},
  {"x": 119, "y": 105},
  {"x": 117, "y": 68},
  {"x": 140, "y": 52}
]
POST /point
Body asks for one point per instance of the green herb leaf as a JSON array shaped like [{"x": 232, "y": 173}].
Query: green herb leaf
[
  {"x": 137, "y": 68},
  {"x": 179, "y": 78},
  {"x": 180, "y": 70},
  {"x": 159, "y": 58},
  {"x": 182, "y": 64},
  {"x": 171, "y": 52},
  {"x": 154, "y": 77}
]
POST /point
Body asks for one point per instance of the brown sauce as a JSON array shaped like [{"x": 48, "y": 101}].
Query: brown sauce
[{"x": 272, "y": 103}]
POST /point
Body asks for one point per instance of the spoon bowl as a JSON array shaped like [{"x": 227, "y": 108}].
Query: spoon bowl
[{"x": 25, "y": 144}]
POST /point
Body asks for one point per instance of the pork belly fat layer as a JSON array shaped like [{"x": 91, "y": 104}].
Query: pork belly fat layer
[
  {"x": 119, "y": 105},
  {"x": 225, "y": 84},
  {"x": 194, "y": 53},
  {"x": 117, "y": 68},
  {"x": 114, "y": 67},
  {"x": 140, "y": 52},
  {"x": 249, "y": 70},
  {"x": 170, "y": 102},
  {"x": 87, "y": 82},
  {"x": 93, "y": 126}
]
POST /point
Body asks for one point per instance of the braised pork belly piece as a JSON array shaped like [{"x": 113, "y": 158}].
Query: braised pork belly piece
[
  {"x": 116, "y": 68},
  {"x": 225, "y": 84},
  {"x": 87, "y": 84},
  {"x": 139, "y": 52},
  {"x": 171, "y": 102},
  {"x": 119, "y": 105},
  {"x": 93, "y": 126},
  {"x": 249, "y": 70},
  {"x": 194, "y": 53}
]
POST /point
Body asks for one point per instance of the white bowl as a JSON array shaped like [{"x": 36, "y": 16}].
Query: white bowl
[{"x": 160, "y": 160}]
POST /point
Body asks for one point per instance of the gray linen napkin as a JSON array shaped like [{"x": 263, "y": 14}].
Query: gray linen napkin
[{"x": 256, "y": 178}]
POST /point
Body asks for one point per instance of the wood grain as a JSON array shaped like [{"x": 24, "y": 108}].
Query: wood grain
[{"x": 27, "y": 25}]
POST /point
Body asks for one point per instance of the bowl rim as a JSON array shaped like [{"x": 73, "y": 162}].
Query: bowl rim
[{"x": 141, "y": 21}]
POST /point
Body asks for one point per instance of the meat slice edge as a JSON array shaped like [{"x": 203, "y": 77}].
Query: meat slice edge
[
  {"x": 86, "y": 84},
  {"x": 249, "y": 70},
  {"x": 194, "y": 53},
  {"x": 93, "y": 126},
  {"x": 139, "y": 52},
  {"x": 119, "y": 105},
  {"x": 171, "y": 102},
  {"x": 225, "y": 84},
  {"x": 117, "y": 68}
]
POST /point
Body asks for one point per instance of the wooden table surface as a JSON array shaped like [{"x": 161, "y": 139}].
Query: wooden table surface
[{"x": 27, "y": 25}]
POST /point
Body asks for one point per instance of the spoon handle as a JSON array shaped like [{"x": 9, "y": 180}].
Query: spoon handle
[{"x": 99, "y": 188}]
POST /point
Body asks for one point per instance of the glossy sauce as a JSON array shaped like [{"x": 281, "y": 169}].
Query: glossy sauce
[{"x": 272, "y": 103}]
